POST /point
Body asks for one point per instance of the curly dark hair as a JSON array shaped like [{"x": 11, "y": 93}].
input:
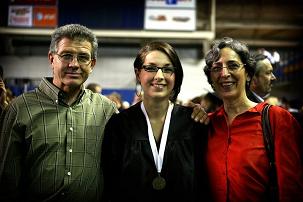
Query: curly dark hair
[{"x": 240, "y": 48}]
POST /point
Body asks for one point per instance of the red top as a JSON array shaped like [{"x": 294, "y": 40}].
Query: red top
[{"x": 237, "y": 158}]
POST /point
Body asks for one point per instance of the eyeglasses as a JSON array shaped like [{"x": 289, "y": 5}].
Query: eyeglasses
[
  {"x": 83, "y": 59},
  {"x": 167, "y": 71},
  {"x": 230, "y": 66}
]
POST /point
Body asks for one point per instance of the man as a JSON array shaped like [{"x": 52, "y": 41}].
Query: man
[
  {"x": 260, "y": 85},
  {"x": 96, "y": 88},
  {"x": 50, "y": 141}
]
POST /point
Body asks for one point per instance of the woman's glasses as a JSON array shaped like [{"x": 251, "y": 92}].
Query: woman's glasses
[
  {"x": 230, "y": 66},
  {"x": 167, "y": 71}
]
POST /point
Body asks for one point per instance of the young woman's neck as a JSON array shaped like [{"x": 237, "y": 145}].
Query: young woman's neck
[{"x": 156, "y": 108}]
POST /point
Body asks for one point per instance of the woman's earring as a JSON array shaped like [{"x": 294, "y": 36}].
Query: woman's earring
[
  {"x": 212, "y": 85},
  {"x": 248, "y": 81},
  {"x": 138, "y": 89}
]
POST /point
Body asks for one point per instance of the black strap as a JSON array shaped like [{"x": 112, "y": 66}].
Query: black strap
[{"x": 270, "y": 148}]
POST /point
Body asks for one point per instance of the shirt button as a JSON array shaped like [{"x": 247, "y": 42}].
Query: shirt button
[
  {"x": 69, "y": 173},
  {"x": 70, "y": 150},
  {"x": 71, "y": 128}
]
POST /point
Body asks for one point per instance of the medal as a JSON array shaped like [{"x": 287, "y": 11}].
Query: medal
[{"x": 159, "y": 183}]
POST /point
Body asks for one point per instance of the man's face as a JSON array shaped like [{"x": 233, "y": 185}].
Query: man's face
[
  {"x": 262, "y": 83},
  {"x": 72, "y": 63}
]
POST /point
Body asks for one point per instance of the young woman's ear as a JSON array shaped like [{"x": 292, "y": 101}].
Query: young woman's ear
[{"x": 137, "y": 72}]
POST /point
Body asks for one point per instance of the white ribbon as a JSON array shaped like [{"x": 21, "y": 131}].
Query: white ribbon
[{"x": 158, "y": 157}]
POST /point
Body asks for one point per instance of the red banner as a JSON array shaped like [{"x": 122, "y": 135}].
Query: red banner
[{"x": 45, "y": 16}]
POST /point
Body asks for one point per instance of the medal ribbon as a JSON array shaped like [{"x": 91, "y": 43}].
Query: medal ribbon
[{"x": 158, "y": 157}]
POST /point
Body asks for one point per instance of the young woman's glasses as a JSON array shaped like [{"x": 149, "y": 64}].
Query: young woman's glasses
[
  {"x": 167, "y": 71},
  {"x": 230, "y": 66},
  {"x": 83, "y": 59}
]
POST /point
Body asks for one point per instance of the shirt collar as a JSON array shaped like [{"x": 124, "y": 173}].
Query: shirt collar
[
  {"x": 257, "y": 96},
  {"x": 257, "y": 109},
  {"x": 56, "y": 94}
]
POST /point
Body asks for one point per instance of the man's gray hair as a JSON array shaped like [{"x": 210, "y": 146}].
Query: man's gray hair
[{"x": 74, "y": 32}]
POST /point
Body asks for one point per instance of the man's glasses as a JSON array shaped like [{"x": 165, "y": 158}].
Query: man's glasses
[
  {"x": 83, "y": 59},
  {"x": 230, "y": 66},
  {"x": 167, "y": 71}
]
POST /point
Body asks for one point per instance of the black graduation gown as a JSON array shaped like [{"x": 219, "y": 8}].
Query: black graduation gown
[{"x": 128, "y": 163}]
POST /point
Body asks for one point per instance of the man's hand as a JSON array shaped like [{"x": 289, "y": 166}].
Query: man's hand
[{"x": 199, "y": 114}]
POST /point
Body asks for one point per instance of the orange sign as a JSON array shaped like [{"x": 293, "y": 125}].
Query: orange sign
[{"x": 45, "y": 16}]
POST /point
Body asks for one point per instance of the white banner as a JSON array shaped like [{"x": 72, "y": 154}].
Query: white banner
[
  {"x": 171, "y": 3},
  {"x": 177, "y": 15},
  {"x": 170, "y": 19},
  {"x": 20, "y": 16}
]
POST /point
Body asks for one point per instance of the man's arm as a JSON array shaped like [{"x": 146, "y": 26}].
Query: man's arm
[{"x": 10, "y": 156}]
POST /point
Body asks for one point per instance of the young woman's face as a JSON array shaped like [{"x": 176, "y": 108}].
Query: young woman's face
[
  {"x": 228, "y": 75},
  {"x": 156, "y": 83}
]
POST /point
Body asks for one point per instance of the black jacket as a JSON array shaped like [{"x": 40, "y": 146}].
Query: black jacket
[
  {"x": 252, "y": 97},
  {"x": 128, "y": 163}
]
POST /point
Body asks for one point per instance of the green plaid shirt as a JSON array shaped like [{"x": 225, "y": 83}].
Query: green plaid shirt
[{"x": 51, "y": 151}]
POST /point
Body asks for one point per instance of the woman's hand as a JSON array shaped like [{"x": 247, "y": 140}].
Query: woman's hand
[{"x": 199, "y": 114}]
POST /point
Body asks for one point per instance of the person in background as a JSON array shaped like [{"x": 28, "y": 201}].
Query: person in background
[
  {"x": 117, "y": 99},
  {"x": 9, "y": 95},
  {"x": 237, "y": 159},
  {"x": 3, "y": 99},
  {"x": 273, "y": 100},
  {"x": 293, "y": 107},
  {"x": 96, "y": 88},
  {"x": 50, "y": 141},
  {"x": 209, "y": 102},
  {"x": 137, "y": 98},
  {"x": 261, "y": 82},
  {"x": 154, "y": 151}
]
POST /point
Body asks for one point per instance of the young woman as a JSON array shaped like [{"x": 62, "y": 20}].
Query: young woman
[{"x": 154, "y": 151}]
